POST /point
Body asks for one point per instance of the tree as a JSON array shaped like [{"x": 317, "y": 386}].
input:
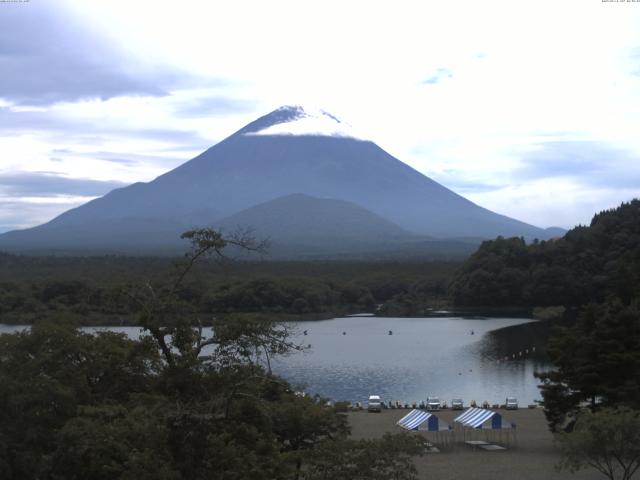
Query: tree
[
  {"x": 597, "y": 361},
  {"x": 381, "y": 459},
  {"x": 588, "y": 264},
  {"x": 608, "y": 440},
  {"x": 50, "y": 372},
  {"x": 301, "y": 423},
  {"x": 179, "y": 403},
  {"x": 172, "y": 322},
  {"x": 113, "y": 441}
]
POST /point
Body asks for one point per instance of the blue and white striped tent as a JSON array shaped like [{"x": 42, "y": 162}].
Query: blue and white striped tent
[
  {"x": 422, "y": 421},
  {"x": 479, "y": 417},
  {"x": 487, "y": 423}
]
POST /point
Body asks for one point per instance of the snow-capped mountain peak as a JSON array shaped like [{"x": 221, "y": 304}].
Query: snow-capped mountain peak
[{"x": 299, "y": 120}]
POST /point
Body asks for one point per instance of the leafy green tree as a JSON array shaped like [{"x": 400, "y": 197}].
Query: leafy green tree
[
  {"x": 597, "y": 361},
  {"x": 47, "y": 373},
  {"x": 589, "y": 264},
  {"x": 608, "y": 440},
  {"x": 182, "y": 402},
  {"x": 300, "y": 423},
  {"x": 380, "y": 459},
  {"x": 113, "y": 441}
]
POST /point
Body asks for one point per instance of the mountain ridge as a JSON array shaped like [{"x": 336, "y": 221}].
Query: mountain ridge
[{"x": 246, "y": 170}]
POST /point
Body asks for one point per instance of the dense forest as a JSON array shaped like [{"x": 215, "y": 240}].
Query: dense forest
[
  {"x": 94, "y": 288},
  {"x": 589, "y": 264},
  {"x": 179, "y": 404},
  {"x": 175, "y": 404},
  {"x": 595, "y": 272}
]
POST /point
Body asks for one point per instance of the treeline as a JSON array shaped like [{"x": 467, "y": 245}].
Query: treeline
[
  {"x": 95, "y": 288},
  {"x": 597, "y": 362},
  {"x": 589, "y": 264},
  {"x": 77, "y": 406},
  {"x": 178, "y": 403},
  {"x": 595, "y": 270}
]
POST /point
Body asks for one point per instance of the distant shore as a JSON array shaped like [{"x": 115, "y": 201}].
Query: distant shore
[
  {"x": 93, "y": 319},
  {"x": 532, "y": 457}
]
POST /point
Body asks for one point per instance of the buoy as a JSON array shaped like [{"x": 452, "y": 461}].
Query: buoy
[
  {"x": 533, "y": 349},
  {"x": 471, "y": 332},
  {"x": 344, "y": 333},
  {"x": 390, "y": 332},
  {"x": 305, "y": 332}
]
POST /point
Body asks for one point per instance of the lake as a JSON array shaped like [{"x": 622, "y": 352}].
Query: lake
[
  {"x": 351, "y": 358},
  {"x": 482, "y": 358}
]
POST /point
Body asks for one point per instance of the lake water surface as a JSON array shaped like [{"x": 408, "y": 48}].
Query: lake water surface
[{"x": 351, "y": 358}]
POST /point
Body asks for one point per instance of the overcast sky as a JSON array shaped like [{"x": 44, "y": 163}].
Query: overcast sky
[{"x": 529, "y": 108}]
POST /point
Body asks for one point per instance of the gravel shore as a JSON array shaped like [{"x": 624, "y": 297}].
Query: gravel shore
[{"x": 532, "y": 456}]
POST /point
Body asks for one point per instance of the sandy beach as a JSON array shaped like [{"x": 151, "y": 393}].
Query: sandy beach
[{"x": 532, "y": 456}]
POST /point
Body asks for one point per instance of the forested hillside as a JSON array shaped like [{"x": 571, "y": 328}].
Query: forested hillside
[
  {"x": 595, "y": 271},
  {"x": 178, "y": 403},
  {"x": 589, "y": 264},
  {"x": 94, "y": 288}
]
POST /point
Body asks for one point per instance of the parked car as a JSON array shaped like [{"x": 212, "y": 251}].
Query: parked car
[
  {"x": 374, "y": 404},
  {"x": 433, "y": 403},
  {"x": 457, "y": 404},
  {"x": 511, "y": 403}
]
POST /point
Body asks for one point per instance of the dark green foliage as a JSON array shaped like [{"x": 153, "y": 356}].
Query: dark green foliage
[
  {"x": 587, "y": 265},
  {"x": 383, "y": 459},
  {"x": 594, "y": 270},
  {"x": 113, "y": 441},
  {"x": 46, "y": 374},
  {"x": 597, "y": 361},
  {"x": 93, "y": 288},
  {"x": 180, "y": 403},
  {"x": 608, "y": 440}
]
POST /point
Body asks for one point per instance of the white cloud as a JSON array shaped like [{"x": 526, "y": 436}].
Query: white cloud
[
  {"x": 552, "y": 202},
  {"x": 510, "y": 76}
]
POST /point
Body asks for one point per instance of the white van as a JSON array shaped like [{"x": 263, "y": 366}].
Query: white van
[
  {"x": 511, "y": 403},
  {"x": 374, "y": 404},
  {"x": 433, "y": 403}
]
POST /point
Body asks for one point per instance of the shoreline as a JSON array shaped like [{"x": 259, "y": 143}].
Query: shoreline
[{"x": 98, "y": 319}]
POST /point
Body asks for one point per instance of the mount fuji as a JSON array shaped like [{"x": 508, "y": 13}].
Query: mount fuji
[{"x": 298, "y": 176}]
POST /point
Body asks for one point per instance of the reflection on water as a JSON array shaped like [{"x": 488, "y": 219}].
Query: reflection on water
[
  {"x": 444, "y": 357},
  {"x": 351, "y": 358},
  {"x": 11, "y": 328}
]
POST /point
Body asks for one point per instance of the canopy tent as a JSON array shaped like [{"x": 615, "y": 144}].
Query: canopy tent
[
  {"x": 422, "y": 421},
  {"x": 480, "y": 419},
  {"x": 427, "y": 423}
]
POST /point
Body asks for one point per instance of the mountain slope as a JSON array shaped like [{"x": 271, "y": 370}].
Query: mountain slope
[
  {"x": 299, "y": 224},
  {"x": 299, "y": 217},
  {"x": 287, "y": 151},
  {"x": 587, "y": 265}
]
